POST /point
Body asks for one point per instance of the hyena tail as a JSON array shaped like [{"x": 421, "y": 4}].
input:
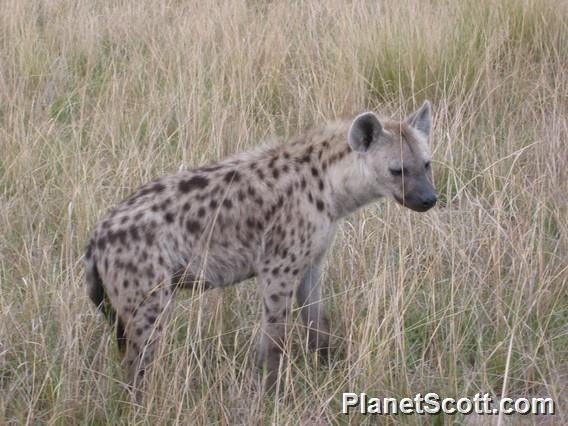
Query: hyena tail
[{"x": 97, "y": 294}]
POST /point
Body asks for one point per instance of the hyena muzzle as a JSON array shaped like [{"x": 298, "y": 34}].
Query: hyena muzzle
[{"x": 269, "y": 213}]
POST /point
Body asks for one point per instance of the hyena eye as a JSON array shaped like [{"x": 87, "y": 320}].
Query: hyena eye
[
  {"x": 427, "y": 165},
  {"x": 396, "y": 172}
]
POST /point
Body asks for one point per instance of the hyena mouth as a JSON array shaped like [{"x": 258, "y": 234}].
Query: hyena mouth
[{"x": 420, "y": 206}]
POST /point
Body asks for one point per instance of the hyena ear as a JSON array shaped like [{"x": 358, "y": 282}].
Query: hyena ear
[
  {"x": 421, "y": 119},
  {"x": 365, "y": 129}
]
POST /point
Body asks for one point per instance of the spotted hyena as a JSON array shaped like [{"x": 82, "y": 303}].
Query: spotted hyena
[{"x": 270, "y": 213}]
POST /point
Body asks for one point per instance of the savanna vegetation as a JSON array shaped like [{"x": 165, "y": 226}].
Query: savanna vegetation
[{"x": 98, "y": 97}]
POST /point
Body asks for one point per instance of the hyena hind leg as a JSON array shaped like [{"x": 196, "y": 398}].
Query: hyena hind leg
[{"x": 143, "y": 332}]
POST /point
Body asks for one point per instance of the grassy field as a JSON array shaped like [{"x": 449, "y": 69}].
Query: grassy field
[{"x": 98, "y": 97}]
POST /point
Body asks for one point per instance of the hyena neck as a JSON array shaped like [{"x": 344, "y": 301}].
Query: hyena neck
[{"x": 351, "y": 186}]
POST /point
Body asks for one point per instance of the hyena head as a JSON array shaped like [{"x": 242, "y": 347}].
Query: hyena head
[{"x": 396, "y": 156}]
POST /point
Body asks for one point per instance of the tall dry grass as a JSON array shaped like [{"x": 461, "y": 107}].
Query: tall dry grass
[{"x": 98, "y": 97}]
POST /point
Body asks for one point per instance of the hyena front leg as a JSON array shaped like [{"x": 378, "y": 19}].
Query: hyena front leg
[
  {"x": 308, "y": 296},
  {"x": 276, "y": 288}
]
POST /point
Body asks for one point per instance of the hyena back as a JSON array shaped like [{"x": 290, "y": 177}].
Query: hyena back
[{"x": 269, "y": 213}]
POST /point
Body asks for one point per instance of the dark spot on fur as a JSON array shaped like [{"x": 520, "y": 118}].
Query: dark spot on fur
[
  {"x": 133, "y": 230},
  {"x": 276, "y": 271},
  {"x": 271, "y": 319},
  {"x": 211, "y": 168},
  {"x": 260, "y": 174},
  {"x": 169, "y": 217},
  {"x": 156, "y": 187},
  {"x": 139, "y": 332},
  {"x": 186, "y": 206},
  {"x": 149, "y": 237},
  {"x": 273, "y": 161},
  {"x": 192, "y": 226},
  {"x": 165, "y": 204},
  {"x": 125, "y": 283},
  {"x": 119, "y": 235},
  {"x": 274, "y": 297},
  {"x": 196, "y": 182},
  {"x": 240, "y": 195},
  {"x": 101, "y": 243},
  {"x": 150, "y": 271},
  {"x": 232, "y": 176},
  {"x": 131, "y": 267},
  {"x": 201, "y": 212},
  {"x": 227, "y": 203},
  {"x": 295, "y": 272},
  {"x": 275, "y": 173},
  {"x": 319, "y": 205},
  {"x": 315, "y": 172},
  {"x": 213, "y": 204}
]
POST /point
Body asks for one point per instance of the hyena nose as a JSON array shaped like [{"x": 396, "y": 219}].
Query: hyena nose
[{"x": 429, "y": 201}]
